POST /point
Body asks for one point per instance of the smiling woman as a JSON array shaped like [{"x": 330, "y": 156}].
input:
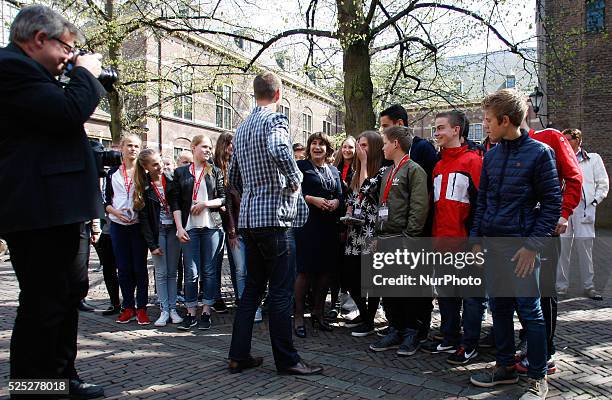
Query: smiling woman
[{"x": 318, "y": 240}]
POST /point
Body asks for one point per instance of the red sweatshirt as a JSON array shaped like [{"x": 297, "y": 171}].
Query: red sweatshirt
[
  {"x": 456, "y": 178},
  {"x": 567, "y": 168}
]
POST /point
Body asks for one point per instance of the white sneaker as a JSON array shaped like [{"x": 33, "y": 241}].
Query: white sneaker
[
  {"x": 258, "y": 316},
  {"x": 348, "y": 304},
  {"x": 163, "y": 319},
  {"x": 176, "y": 319}
]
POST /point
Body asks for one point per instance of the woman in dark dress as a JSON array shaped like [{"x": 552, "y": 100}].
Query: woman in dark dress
[{"x": 317, "y": 241}]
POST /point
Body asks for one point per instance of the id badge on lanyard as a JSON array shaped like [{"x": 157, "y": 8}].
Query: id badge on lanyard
[
  {"x": 383, "y": 213},
  {"x": 357, "y": 212}
]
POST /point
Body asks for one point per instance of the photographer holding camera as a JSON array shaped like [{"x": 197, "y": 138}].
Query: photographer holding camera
[{"x": 49, "y": 184}]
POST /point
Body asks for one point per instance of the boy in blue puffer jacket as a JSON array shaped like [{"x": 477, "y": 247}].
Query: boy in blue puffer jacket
[{"x": 519, "y": 198}]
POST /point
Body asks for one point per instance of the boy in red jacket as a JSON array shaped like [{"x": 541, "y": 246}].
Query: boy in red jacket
[{"x": 455, "y": 181}]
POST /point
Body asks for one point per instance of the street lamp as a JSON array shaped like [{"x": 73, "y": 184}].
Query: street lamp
[{"x": 536, "y": 99}]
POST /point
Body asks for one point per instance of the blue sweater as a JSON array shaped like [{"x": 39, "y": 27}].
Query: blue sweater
[{"x": 519, "y": 194}]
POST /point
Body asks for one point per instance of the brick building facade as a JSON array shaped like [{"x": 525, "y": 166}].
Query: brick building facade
[
  {"x": 575, "y": 52},
  {"x": 474, "y": 76},
  {"x": 221, "y": 103}
]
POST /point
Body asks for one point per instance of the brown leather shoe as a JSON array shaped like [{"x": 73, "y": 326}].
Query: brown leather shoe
[
  {"x": 301, "y": 368},
  {"x": 238, "y": 366}
]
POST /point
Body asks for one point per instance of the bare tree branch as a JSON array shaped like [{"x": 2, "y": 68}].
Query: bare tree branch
[
  {"x": 405, "y": 39},
  {"x": 291, "y": 32}
]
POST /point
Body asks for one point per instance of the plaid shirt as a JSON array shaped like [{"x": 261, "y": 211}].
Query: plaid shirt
[{"x": 264, "y": 172}]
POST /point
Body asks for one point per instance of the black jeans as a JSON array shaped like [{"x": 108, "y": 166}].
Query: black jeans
[
  {"x": 367, "y": 307},
  {"x": 104, "y": 248},
  {"x": 409, "y": 313},
  {"x": 268, "y": 262},
  {"x": 43, "y": 343},
  {"x": 548, "y": 279}
]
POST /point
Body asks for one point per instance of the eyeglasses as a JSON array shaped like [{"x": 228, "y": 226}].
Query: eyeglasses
[{"x": 67, "y": 48}]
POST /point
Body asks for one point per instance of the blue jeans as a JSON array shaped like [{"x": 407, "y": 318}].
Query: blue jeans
[
  {"x": 131, "y": 255},
  {"x": 166, "y": 266},
  {"x": 218, "y": 261},
  {"x": 450, "y": 313},
  {"x": 268, "y": 262},
  {"x": 237, "y": 262},
  {"x": 199, "y": 258},
  {"x": 528, "y": 308},
  {"x": 530, "y": 312}
]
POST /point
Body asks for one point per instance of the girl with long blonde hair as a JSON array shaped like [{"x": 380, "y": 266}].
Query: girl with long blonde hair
[{"x": 128, "y": 243}]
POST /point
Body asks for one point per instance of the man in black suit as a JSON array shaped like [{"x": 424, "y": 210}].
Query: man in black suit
[{"x": 49, "y": 186}]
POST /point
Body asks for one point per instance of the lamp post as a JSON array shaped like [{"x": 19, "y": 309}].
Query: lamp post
[{"x": 536, "y": 99}]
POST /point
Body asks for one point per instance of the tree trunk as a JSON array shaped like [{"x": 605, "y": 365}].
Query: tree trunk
[
  {"x": 114, "y": 100},
  {"x": 358, "y": 88}
]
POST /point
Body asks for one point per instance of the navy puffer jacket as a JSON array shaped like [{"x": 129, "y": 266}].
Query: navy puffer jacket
[{"x": 519, "y": 194}]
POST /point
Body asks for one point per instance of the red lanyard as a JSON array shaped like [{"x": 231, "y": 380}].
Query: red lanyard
[
  {"x": 162, "y": 199},
  {"x": 128, "y": 181},
  {"x": 403, "y": 161},
  {"x": 196, "y": 184}
]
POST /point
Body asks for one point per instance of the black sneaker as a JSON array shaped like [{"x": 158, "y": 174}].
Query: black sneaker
[
  {"x": 495, "y": 376},
  {"x": 439, "y": 347},
  {"x": 112, "y": 310},
  {"x": 355, "y": 322},
  {"x": 462, "y": 356},
  {"x": 362, "y": 330},
  {"x": 219, "y": 307},
  {"x": 205, "y": 322},
  {"x": 189, "y": 321},
  {"x": 410, "y": 345},
  {"x": 422, "y": 336},
  {"x": 382, "y": 332},
  {"x": 391, "y": 341}
]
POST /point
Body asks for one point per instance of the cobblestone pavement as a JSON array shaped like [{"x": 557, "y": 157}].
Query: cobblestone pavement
[{"x": 154, "y": 363}]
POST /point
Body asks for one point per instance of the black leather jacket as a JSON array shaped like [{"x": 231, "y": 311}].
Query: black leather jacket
[{"x": 181, "y": 191}]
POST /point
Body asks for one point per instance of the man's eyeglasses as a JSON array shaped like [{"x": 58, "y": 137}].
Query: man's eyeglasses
[{"x": 67, "y": 48}]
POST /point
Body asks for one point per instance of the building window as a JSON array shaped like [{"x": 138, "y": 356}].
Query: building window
[
  {"x": 475, "y": 133},
  {"x": 178, "y": 151},
  {"x": 107, "y": 143},
  {"x": 433, "y": 131},
  {"x": 510, "y": 82},
  {"x": 595, "y": 15},
  {"x": 327, "y": 127},
  {"x": 306, "y": 124},
  {"x": 243, "y": 44},
  {"x": 224, "y": 107},
  {"x": 459, "y": 87},
  {"x": 285, "y": 108},
  {"x": 183, "y": 102}
]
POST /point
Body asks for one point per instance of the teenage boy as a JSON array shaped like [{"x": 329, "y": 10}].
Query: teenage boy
[
  {"x": 425, "y": 155},
  {"x": 517, "y": 175},
  {"x": 570, "y": 182},
  {"x": 403, "y": 207},
  {"x": 455, "y": 185}
]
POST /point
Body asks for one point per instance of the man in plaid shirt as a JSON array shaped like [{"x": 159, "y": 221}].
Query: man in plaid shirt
[{"x": 265, "y": 173}]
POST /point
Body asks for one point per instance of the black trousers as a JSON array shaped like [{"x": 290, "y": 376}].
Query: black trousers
[
  {"x": 367, "y": 306},
  {"x": 548, "y": 279},
  {"x": 104, "y": 248},
  {"x": 409, "y": 313},
  {"x": 43, "y": 343}
]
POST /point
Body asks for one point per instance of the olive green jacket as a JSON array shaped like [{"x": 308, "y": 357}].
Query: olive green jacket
[{"x": 408, "y": 201}]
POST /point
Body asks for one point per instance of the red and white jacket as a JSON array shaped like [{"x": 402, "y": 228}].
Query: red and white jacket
[
  {"x": 567, "y": 168},
  {"x": 456, "y": 178}
]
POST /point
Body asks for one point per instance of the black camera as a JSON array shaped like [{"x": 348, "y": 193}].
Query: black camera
[
  {"x": 103, "y": 157},
  {"x": 108, "y": 77}
]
